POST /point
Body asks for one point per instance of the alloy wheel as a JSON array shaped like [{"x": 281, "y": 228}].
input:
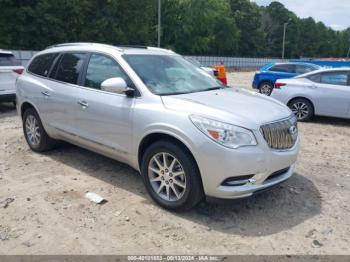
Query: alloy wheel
[
  {"x": 300, "y": 110},
  {"x": 265, "y": 89},
  {"x": 32, "y": 130},
  {"x": 167, "y": 176}
]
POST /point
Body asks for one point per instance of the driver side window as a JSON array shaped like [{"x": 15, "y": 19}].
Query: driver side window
[{"x": 101, "y": 68}]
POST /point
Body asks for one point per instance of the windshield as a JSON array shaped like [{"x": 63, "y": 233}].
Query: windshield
[{"x": 171, "y": 74}]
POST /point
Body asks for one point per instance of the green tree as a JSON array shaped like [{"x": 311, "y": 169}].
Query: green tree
[
  {"x": 197, "y": 27},
  {"x": 200, "y": 27},
  {"x": 247, "y": 17}
]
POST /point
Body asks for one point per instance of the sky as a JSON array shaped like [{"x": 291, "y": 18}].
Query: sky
[{"x": 333, "y": 13}]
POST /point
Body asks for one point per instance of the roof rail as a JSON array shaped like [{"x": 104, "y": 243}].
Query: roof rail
[
  {"x": 119, "y": 47},
  {"x": 160, "y": 49},
  {"x": 67, "y": 44},
  {"x": 79, "y": 44},
  {"x": 132, "y": 46},
  {"x": 145, "y": 47}
]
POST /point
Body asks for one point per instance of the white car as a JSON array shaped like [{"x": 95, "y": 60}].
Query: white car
[
  {"x": 324, "y": 92},
  {"x": 10, "y": 69},
  {"x": 211, "y": 71}
]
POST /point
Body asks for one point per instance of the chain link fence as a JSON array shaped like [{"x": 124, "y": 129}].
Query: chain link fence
[
  {"x": 24, "y": 55},
  {"x": 233, "y": 63}
]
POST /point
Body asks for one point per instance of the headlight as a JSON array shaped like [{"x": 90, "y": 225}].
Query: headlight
[{"x": 225, "y": 134}]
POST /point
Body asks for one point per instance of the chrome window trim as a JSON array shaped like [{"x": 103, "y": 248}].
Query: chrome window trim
[{"x": 78, "y": 86}]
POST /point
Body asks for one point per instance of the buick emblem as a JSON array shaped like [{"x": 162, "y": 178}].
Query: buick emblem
[{"x": 293, "y": 131}]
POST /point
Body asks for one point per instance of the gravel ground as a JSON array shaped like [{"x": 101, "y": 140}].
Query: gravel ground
[{"x": 43, "y": 209}]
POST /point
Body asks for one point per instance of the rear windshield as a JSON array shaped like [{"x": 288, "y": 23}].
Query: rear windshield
[{"x": 8, "y": 60}]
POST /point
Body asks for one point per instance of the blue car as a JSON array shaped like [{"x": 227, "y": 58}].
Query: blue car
[{"x": 265, "y": 78}]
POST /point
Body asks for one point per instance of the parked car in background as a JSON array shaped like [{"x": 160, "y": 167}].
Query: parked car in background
[
  {"x": 188, "y": 135},
  {"x": 266, "y": 77},
  {"x": 323, "y": 92},
  {"x": 10, "y": 69},
  {"x": 211, "y": 71}
]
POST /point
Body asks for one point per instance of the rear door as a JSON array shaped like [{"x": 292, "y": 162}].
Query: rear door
[
  {"x": 61, "y": 92},
  {"x": 105, "y": 118},
  {"x": 10, "y": 69},
  {"x": 332, "y": 93},
  {"x": 281, "y": 71}
]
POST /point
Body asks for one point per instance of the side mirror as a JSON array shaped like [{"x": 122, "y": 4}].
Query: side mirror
[{"x": 117, "y": 85}]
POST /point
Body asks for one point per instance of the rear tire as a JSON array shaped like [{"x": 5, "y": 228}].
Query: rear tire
[
  {"x": 265, "y": 88},
  {"x": 302, "y": 109},
  {"x": 34, "y": 132},
  {"x": 171, "y": 176}
]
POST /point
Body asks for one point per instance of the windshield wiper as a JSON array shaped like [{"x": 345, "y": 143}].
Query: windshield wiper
[
  {"x": 193, "y": 91},
  {"x": 211, "y": 88},
  {"x": 176, "y": 93}
]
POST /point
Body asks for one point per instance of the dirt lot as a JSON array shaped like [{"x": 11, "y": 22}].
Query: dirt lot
[{"x": 309, "y": 214}]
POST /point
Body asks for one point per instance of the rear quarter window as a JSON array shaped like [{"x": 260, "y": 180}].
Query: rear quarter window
[
  {"x": 9, "y": 60},
  {"x": 315, "y": 78},
  {"x": 41, "y": 64}
]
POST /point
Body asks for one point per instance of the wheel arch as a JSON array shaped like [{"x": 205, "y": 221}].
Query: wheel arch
[
  {"x": 302, "y": 97},
  {"x": 265, "y": 80},
  {"x": 155, "y": 136},
  {"x": 26, "y": 105}
]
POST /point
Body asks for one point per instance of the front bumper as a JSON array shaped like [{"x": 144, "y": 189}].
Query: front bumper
[
  {"x": 217, "y": 164},
  {"x": 260, "y": 182}
]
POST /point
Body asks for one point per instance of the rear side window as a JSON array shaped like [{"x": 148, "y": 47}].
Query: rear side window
[
  {"x": 315, "y": 78},
  {"x": 69, "y": 67},
  {"x": 302, "y": 69},
  {"x": 335, "y": 78},
  {"x": 284, "y": 68},
  {"x": 8, "y": 60},
  {"x": 41, "y": 64}
]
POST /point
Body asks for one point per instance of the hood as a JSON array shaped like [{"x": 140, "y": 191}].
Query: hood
[{"x": 231, "y": 105}]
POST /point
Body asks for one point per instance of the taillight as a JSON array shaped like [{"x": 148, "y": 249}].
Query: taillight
[
  {"x": 279, "y": 85},
  {"x": 18, "y": 71}
]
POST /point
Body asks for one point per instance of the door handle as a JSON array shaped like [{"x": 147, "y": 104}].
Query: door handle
[
  {"x": 83, "y": 103},
  {"x": 45, "y": 93}
]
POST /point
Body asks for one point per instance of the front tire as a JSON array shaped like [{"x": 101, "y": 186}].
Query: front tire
[
  {"x": 302, "y": 109},
  {"x": 34, "y": 132},
  {"x": 266, "y": 88},
  {"x": 171, "y": 176}
]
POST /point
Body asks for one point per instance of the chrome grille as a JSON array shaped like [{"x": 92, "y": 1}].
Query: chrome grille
[{"x": 282, "y": 134}]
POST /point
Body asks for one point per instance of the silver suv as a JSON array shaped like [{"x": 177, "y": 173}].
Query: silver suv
[{"x": 187, "y": 134}]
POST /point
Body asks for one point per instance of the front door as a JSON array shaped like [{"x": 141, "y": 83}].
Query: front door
[{"x": 105, "y": 118}]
